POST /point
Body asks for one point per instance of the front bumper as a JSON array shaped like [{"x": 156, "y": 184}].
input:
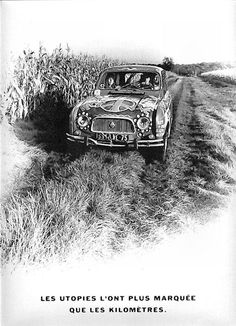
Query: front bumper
[{"x": 87, "y": 141}]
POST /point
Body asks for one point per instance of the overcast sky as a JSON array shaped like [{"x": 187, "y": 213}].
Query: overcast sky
[{"x": 147, "y": 30}]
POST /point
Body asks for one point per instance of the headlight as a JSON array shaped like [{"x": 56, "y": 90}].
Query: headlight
[
  {"x": 83, "y": 120},
  {"x": 160, "y": 117},
  {"x": 143, "y": 123}
]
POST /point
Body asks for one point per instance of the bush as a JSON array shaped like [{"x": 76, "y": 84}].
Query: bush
[{"x": 168, "y": 64}]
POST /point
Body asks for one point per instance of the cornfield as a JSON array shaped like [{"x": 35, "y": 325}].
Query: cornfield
[{"x": 60, "y": 74}]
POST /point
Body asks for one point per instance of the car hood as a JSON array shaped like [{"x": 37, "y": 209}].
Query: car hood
[{"x": 120, "y": 103}]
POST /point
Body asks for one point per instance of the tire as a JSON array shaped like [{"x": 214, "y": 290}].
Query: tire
[
  {"x": 75, "y": 149},
  {"x": 160, "y": 153}
]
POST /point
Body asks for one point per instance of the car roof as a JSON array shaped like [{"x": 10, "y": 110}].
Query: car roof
[{"x": 134, "y": 67}]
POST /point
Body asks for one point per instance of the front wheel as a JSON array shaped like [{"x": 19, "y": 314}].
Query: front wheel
[{"x": 160, "y": 153}]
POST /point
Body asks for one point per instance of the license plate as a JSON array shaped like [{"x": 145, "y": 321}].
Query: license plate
[{"x": 115, "y": 137}]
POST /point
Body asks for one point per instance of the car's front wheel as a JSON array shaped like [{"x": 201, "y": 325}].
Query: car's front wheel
[{"x": 160, "y": 153}]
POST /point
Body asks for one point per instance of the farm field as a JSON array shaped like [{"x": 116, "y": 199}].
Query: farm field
[{"x": 106, "y": 201}]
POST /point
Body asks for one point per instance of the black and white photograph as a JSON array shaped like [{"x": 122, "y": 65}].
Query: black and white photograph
[{"x": 118, "y": 162}]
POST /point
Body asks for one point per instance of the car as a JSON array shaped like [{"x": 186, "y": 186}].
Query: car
[{"x": 131, "y": 108}]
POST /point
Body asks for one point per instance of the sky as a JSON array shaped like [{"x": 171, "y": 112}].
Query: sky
[{"x": 140, "y": 31}]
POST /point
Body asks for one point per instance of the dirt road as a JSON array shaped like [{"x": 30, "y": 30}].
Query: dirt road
[{"x": 103, "y": 201}]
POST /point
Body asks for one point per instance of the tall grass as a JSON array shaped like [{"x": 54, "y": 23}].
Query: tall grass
[{"x": 60, "y": 205}]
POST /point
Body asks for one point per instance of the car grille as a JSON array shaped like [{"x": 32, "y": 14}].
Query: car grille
[{"x": 112, "y": 125}]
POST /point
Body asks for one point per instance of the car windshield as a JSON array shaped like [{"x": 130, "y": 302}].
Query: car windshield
[{"x": 129, "y": 80}]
